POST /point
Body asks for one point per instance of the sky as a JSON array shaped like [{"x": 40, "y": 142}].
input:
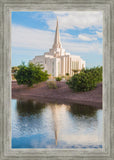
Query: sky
[{"x": 80, "y": 34}]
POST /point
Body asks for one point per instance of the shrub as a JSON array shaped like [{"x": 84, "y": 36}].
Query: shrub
[
  {"x": 51, "y": 85},
  {"x": 14, "y": 69},
  {"x": 62, "y": 77},
  {"x": 49, "y": 76},
  {"x": 30, "y": 74},
  {"x": 67, "y": 78},
  {"x": 67, "y": 74},
  {"x": 58, "y": 78},
  {"x": 75, "y": 71},
  {"x": 86, "y": 80},
  {"x": 96, "y": 73}
]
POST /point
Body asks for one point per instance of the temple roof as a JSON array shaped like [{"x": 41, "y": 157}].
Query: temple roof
[{"x": 57, "y": 43}]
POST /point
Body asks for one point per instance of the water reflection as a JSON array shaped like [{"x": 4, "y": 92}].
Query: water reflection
[
  {"x": 83, "y": 110},
  {"x": 38, "y": 125},
  {"x": 29, "y": 107},
  {"x": 55, "y": 121}
]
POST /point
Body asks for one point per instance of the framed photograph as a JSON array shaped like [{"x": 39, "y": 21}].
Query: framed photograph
[{"x": 56, "y": 80}]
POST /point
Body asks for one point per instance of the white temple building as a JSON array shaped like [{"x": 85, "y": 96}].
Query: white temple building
[{"x": 57, "y": 61}]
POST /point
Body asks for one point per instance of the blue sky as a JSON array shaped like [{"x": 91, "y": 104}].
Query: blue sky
[{"x": 80, "y": 32}]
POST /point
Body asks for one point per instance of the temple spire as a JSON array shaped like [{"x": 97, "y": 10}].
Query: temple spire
[{"x": 57, "y": 43}]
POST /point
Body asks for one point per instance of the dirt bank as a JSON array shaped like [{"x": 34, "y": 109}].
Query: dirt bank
[{"x": 63, "y": 94}]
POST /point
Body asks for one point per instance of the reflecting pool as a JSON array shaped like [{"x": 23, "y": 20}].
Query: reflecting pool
[{"x": 49, "y": 125}]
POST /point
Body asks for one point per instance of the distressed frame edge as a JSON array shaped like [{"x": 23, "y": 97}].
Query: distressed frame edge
[
  {"x": 4, "y": 99},
  {"x": 7, "y": 8}
]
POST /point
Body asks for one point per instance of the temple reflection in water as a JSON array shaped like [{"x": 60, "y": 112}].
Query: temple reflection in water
[{"x": 55, "y": 125}]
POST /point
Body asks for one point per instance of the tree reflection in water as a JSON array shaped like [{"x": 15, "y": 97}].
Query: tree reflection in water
[
  {"x": 33, "y": 107},
  {"x": 83, "y": 110},
  {"x": 29, "y": 107}
]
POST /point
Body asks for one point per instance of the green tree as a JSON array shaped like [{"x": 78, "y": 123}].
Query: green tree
[
  {"x": 15, "y": 69},
  {"x": 30, "y": 74},
  {"x": 58, "y": 78},
  {"x": 96, "y": 73},
  {"x": 86, "y": 80},
  {"x": 67, "y": 74},
  {"x": 75, "y": 71}
]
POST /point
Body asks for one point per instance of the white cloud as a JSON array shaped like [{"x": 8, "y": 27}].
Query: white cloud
[
  {"x": 87, "y": 37},
  {"x": 80, "y": 19},
  {"x": 29, "y": 38},
  {"x": 67, "y": 37},
  {"x": 82, "y": 139},
  {"x": 84, "y": 48},
  {"x": 99, "y": 34}
]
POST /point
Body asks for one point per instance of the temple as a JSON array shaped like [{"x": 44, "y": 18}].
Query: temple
[{"x": 57, "y": 61}]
